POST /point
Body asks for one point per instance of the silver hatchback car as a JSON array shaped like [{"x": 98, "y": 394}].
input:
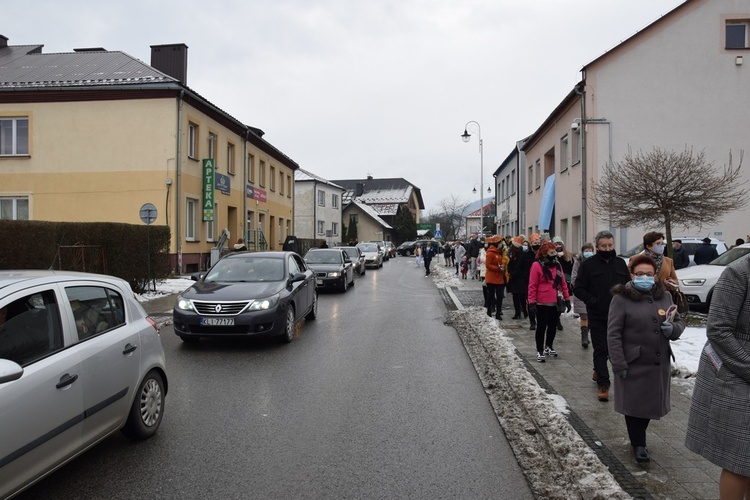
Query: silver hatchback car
[{"x": 79, "y": 360}]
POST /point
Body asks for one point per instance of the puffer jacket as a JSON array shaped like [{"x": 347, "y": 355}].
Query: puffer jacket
[{"x": 493, "y": 274}]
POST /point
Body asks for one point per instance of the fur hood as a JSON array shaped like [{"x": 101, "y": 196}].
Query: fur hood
[{"x": 630, "y": 292}]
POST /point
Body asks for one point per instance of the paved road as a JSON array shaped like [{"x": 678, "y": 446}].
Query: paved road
[{"x": 375, "y": 399}]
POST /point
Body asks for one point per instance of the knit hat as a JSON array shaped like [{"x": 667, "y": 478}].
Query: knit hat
[
  {"x": 534, "y": 236},
  {"x": 518, "y": 241},
  {"x": 557, "y": 239},
  {"x": 493, "y": 240},
  {"x": 545, "y": 236}
]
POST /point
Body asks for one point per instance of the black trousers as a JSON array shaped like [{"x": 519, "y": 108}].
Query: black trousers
[
  {"x": 546, "y": 322},
  {"x": 495, "y": 295},
  {"x": 637, "y": 430},
  {"x": 598, "y": 331},
  {"x": 519, "y": 303}
]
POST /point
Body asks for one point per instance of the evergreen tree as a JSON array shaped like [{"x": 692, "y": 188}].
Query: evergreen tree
[
  {"x": 404, "y": 225},
  {"x": 351, "y": 235}
]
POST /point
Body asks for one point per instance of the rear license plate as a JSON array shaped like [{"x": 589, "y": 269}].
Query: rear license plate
[
  {"x": 318, "y": 282},
  {"x": 217, "y": 321}
]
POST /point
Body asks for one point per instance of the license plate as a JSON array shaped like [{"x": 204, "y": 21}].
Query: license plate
[
  {"x": 318, "y": 282},
  {"x": 217, "y": 321}
]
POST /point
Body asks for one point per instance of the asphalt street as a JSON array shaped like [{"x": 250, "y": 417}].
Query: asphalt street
[{"x": 377, "y": 398}]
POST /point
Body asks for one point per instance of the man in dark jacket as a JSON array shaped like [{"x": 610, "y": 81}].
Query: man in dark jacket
[
  {"x": 680, "y": 256},
  {"x": 596, "y": 277},
  {"x": 473, "y": 251},
  {"x": 705, "y": 253}
]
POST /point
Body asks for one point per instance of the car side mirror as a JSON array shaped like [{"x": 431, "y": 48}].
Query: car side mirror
[
  {"x": 196, "y": 276},
  {"x": 9, "y": 371},
  {"x": 297, "y": 277}
]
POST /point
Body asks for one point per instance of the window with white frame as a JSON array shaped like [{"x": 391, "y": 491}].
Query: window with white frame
[
  {"x": 288, "y": 186},
  {"x": 502, "y": 189},
  {"x": 288, "y": 228},
  {"x": 538, "y": 175},
  {"x": 191, "y": 213},
  {"x": 230, "y": 159},
  {"x": 513, "y": 181},
  {"x": 212, "y": 146},
  {"x": 321, "y": 198},
  {"x": 334, "y": 201},
  {"x": 575, "y": 152},
  {"x": 321, "y": 227},
  {"x": 192, "y": 138},
  {"x": 335, "y": 228},
  {"x": 14, "y": 136},
  {"x": 279, "y": 232},
  {"x": 14, "y": 208},
  {"x": 530, "y": 180},
  {"x": 737, "y": 33},
  {"x": 262, "y": 173},
  {"x": 564, "y": 153}
]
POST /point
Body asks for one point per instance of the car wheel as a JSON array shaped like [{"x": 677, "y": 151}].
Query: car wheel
[
  {"x": 148, "y": 408},
  {"x": 314, "y": 309},
  {"x": 288, "y": 334},
  {"x": 408, "y": 253},
  {"x": 352, "y": 282},
  {"x": 344, "y": 284},
  {"x": 187, "y": 339},
  {"x": 381, "y": 264}
]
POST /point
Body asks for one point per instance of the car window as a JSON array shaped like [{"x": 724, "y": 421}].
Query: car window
[
  {"x": 30, "y": 328},
  {"x": 368, "y": 247},
  {"x": 300, "y": 263},
  {"x": 247, "y": 269},
  {"x": 730, "y": 256},
  {"x": 293, "y": 267},
  {"x": 95, "y": 309},
  {"x": 323, "y": 257}
]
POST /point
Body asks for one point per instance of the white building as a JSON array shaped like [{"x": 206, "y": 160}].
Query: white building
[{"x": 317, "y": 208}]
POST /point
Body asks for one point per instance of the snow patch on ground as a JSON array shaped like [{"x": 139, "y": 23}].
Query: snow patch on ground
[{"x": 166, "y": 287}]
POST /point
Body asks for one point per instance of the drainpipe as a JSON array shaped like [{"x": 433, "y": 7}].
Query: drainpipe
[{"x": 178, "y": 197}]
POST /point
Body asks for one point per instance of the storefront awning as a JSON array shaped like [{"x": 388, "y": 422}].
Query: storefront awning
[{"x": 548, "y": 204}]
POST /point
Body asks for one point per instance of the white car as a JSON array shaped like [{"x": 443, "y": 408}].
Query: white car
[
  {"x": 373, "y": 254},
  {"x": 697, "y": 282},
  {"x": 79, "y": 360},
  {"x": 689, "y": 243}
]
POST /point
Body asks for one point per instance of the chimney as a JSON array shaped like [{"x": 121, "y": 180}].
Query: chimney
[
  {"x": 171, "y": 59},
  {"x": 3, "y": 41}
]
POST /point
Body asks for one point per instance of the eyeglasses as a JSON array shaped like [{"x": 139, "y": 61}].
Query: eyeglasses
[{"x": 640, "y": 275}]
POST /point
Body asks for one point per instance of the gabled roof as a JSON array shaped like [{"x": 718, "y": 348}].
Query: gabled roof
[
  {"x": 391, "y": 191},
  {"x": 368, "y": 210},
  {"x": 302, "y": 175}
]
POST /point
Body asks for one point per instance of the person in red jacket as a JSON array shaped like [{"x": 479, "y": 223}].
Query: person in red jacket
[
  {"x": 545, "y": 281},
  {"x": 495, "y": 275}
]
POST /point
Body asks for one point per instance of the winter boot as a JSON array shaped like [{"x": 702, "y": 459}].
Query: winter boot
[
  {"x": 603, "y": 393},
  {"x": 559, "y": 324},
  {"x": 585, "y": 337}
]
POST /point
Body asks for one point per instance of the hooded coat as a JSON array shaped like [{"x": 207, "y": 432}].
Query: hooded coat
[
  {"x": 493, "y": 273},
  {"x": 637, "y": 344}
]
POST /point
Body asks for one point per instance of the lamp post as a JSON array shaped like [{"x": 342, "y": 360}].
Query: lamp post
[{"x": 466, "y": 136}]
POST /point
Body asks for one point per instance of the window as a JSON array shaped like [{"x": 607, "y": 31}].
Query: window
[
  {"x": 281, "y": 228},
  {"x": 272, "y": 175},
  {"x": 14, "y": 208},
  {"x": 736, "y": 34},
  {"x": 230, "y": 159},
  {"x": 502, "y": 189},
  {"x": 32, "y": 328},
  {"x": 513, "y": 181},
  {"x": 192, "y": 137},
  {"x": 262, "y": 173},
  {"x": 321, "y": 227},
  {"x": 334, "y": 201},
  {"x": 321, "y": 198},
  {"x": 212, "y": 146},
  {"x": 95, "y": 309},
  {"x": 14, "y": 136},
  {"x": 251, "y": 168},
  {"x": 576, "y": 147},
  {"x": 288, "y": 186},
  {"x": 335, "y": 228},
  {"x": 281, "y": 183},
  {"x": 288, "y": 227},
  {"x": 564, "y": 153},
  {"x": 353, "y": 218},
  {"x": 190, "y": 215},
  {"x": 530, "y": 180},
  {"x": 211, "y": 225},
  {"x": 538, "y": 175}
]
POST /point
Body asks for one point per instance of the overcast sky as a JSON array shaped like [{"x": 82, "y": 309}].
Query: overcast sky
[{"x": 348, "y": 88}]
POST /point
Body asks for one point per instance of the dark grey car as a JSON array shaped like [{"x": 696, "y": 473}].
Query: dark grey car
[
  {"x": 332, "y": 266},
  {"x": 357, "y": 258}
]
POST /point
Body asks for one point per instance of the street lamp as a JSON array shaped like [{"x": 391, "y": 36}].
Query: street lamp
[
  {"x": 466, "y": 136},
  {"x": 489, "y": 189}
]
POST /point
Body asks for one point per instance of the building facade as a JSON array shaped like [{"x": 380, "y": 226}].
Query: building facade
[{"x": 318, "y": 211}]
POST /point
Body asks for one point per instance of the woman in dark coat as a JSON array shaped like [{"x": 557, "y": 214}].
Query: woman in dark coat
[
  {"x": 519, "y": 278},
  {"x": 720, "y": 408},
  {"x": 638, "y": 335}
]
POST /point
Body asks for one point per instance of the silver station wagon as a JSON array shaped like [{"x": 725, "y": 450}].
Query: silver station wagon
[{"x": 79, "y": 360}]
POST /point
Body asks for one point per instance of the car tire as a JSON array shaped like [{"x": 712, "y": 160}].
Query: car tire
[
  {"x": 408, "y": 253},
  {"x": 381, "y": 264},
  {"x": 364, "y": 270},
  {"x": 314, "y": 309},
  {"x": 288, "y": 335},
  {"x": 352, "y": 282},
  {"x": 147, "y": 410},
  {"x": 344, "y": 284}
]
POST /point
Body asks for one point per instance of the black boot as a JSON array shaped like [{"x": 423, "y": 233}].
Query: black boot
[
  {"x": 559, "y": 324},
  {"x": 585, "y": 337},
  {"x": 641, "y": 454}
]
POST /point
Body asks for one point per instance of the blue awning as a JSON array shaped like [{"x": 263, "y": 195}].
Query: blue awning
[{"x": 548, "y": 204}]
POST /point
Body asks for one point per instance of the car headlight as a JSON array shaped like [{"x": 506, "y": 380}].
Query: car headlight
[
  {"x": 334, "y": 275},
  {"x": 693, "y": 282},
  {"x": 264, "y": 304},
  {"x": 184, "y": 304}
]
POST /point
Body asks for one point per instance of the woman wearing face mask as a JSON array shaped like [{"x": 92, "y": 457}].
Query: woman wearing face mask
[
  {"x": 519, "y": 280},
  {"x": 496, "y": 276},
  {"x": 545, "y": 281},
  {"x": 638, "y": 334},
  {"x": 653, "y": 244},
  {"x": 527, "y": 259},
  {"x": 565, "y": 259},
  {"x": 587, "y": 251}
]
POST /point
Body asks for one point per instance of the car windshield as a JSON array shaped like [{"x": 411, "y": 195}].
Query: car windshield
[
  {"x": 351, "y": 252},
  {"x": 247, "y": 269},
  {"x": 368, "y": 247},
  {"x": 323, "y": 257},
  {"x": 730, "y": 256}
]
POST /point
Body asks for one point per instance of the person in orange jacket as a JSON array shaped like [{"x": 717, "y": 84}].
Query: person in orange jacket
[{"x": 496, "y": 275}]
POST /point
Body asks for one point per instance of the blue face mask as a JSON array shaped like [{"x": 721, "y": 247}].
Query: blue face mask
[
  {"x": 658, "y": 249},
  {"x": 525, "y": 248},
  {"x": 643, "y": 282},
  {"x": 588, "y": 254}
]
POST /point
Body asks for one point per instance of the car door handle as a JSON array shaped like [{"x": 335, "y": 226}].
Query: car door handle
[
  {"x": 129, "y": 348},
  {"x": 66, "y": 380}
]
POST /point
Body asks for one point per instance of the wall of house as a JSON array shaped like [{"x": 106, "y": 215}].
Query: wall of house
[
  {"x": 674, "y": 85},
  {"x": 308, "y": 211}
]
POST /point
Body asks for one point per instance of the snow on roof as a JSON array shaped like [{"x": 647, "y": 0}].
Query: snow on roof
[
  {"x": 372, "y": 213},
  {"x": 302, "y": 175}
]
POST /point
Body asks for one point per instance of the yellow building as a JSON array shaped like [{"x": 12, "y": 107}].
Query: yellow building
[{"x": 93, "y": 135}]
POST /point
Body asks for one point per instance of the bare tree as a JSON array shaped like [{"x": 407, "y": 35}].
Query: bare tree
[
  {"x": 450, "y": 215},
  {"x": 668, "y": 188}
]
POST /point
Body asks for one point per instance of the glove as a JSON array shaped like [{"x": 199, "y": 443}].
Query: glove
[
  {"x": 667, "y": 328},
  {"x": 532, "y": 308},
  {"x": 567, "y": 306},
  {"x": 623, "y": 374}
]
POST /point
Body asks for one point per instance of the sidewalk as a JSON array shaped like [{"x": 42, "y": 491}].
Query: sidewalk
[{"x": 673, "y": 473}]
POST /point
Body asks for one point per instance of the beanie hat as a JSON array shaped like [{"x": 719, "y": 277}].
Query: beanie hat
[
  {"x": 518, "y": 241},
  {"x": 557, "y": 239}
]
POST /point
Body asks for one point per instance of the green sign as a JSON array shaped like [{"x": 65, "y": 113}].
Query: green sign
[
  {"x": 208, "y": 189},
  {"x": 426, "y": 226}
]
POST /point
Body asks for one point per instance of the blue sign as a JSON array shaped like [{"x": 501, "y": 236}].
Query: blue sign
[
  {"x": 438, "y": 234},
  {"x": 223, "y": 183}
]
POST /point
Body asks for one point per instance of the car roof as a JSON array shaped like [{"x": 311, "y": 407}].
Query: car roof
[
  {"x": 271, "y": 254},
  {"x": 31, "y": 277}
]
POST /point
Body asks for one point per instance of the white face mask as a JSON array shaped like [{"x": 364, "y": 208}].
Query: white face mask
[{"x": 658, "y": 249}]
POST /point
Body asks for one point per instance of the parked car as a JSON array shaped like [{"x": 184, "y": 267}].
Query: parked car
[
  {"x": 79, "y": 360},
  {"x": 249, "y": 294},
  {"x": 406, "y": 248},
  {"x": 697, "y": 282},
  {"x": 689, "y": 243},
  {"x": 357, "y": 258},
  {"x": 390, "y": 249},
  {"x": 373, "y": 256},
  {"x": 382, "y": 249},
  {"x": 332, "y": 267}
]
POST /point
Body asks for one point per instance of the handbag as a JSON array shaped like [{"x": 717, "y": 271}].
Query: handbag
[
  {"x": 561, "y": 306},
  {"x": 679, "y": 299}
]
